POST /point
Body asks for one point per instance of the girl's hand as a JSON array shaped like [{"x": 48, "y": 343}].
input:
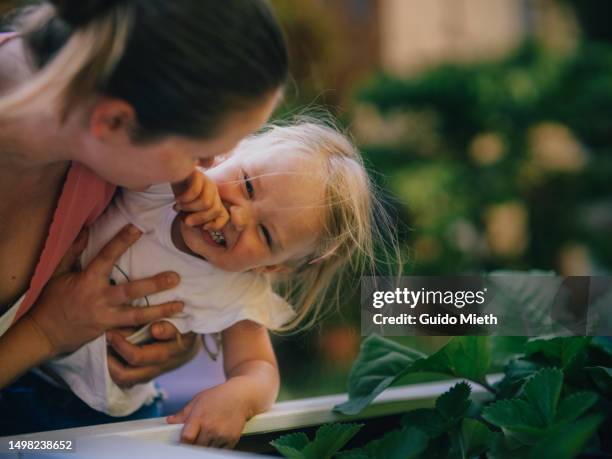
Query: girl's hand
[
  {"x": 215, "y": 417},
  {"x": 77, "y": 307},
  {"x": 199, "y": 196}
]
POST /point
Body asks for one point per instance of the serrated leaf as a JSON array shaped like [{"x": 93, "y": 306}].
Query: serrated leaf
[
  {"x": 559, "y": 351},
  {"x": 382, "y": 362},
  {"x": 454, "y": 403},
  {"x": 543, "y": 390},
  {"x": 428, "y": 420},
  {"x": 379, "y": 364},
  {"x": 567, "y": 442},
  {"x": 329, "y": 439},
  {"x": 476, "y": 438},
  {"x": 406, "y": 443},
  {"x": 574, "y": 405},
  {"x": 291, "y": 445},
  {"x": 516, "y": 418}
]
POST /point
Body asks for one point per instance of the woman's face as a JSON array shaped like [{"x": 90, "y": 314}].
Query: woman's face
[{"x": 114, "y": 157}]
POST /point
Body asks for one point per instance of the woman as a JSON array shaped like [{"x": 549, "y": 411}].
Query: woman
[{"x": 100, "y": 93}]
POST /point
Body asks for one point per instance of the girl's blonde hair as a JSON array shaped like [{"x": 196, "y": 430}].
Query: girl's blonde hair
[{"x": 357, "y": 234}]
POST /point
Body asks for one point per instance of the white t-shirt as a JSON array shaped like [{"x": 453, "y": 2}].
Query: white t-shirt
[{"x": 214, "y": 299}]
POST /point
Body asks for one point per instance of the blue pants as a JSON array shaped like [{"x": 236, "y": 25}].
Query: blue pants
[{"x": 32, "y": 405}]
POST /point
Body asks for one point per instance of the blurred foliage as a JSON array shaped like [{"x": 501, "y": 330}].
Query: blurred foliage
[{"x": 500, "y": 165}]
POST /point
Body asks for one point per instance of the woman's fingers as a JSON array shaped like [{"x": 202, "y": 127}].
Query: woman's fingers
[
  {"x": 148, "y": 354},
  {"x": 103, "y": 262},
  {"x": 130, "y": 291},
  {"x": 131, "y": 316},
  {"x": 70, "y": 259},
  {"x": 128, "y": 376},
  {"x": 182, "y": 415}
]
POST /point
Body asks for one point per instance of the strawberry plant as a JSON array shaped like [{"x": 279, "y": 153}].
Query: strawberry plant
[{"x": 554, "y": 401}]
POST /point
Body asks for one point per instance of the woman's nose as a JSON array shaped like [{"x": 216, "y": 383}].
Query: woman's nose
[
  {"x": 206, "y": 162},
  {"x": 239, "y": 217}
]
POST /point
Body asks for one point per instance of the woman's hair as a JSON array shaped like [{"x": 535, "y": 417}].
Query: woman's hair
[
  {"x": 357, "y": 236},
  {"x": 183, "y": 65}
]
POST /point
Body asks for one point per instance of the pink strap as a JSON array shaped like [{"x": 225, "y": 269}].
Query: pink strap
[{"x": 84, "y": 197}]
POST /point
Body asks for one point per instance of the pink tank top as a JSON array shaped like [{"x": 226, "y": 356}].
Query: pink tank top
[{"x": 84, "y": 197}]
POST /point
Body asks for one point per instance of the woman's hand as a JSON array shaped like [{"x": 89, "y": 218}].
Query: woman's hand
[
  {"x": 142, "y": 363},
  {"x": 215, "y": 417},
  {"x": 77, "y": 307}
]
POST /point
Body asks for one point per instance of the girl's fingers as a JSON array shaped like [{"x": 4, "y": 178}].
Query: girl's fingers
[
  {"x": 130, "y": 316},
  {"x": 126, "y": 293},
  {"x": 182, "y": 415},
  {"x": 190, "y": 433},
  {"x": 103, "y": 262},
  {"x": 193, "y": 190},
  {"x": 70, "y": 259},
  {"x": 205, "y": 216},
  {"x": 218, "y": 223}
]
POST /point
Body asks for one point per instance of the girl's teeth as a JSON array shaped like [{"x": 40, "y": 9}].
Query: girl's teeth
[{"x": 217, "y": 237}]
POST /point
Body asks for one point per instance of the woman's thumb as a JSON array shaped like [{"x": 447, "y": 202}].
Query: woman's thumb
[{"x": 70, "y": 260}]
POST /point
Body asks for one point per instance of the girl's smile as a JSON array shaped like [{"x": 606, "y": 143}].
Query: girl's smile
[{"x": 274, "y": 201}]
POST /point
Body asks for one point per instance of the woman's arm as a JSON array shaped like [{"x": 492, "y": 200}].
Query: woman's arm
[
  {"x": 216, "y": 416},
  {"x": 77, "y": 307}
]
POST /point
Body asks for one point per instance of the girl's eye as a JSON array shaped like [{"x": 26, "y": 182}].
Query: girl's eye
[
  {"x": 248, "y": 185},
  {"x": 266, "y": 235}
]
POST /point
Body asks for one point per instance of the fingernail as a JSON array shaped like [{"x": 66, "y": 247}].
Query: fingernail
[
  {"x": 157, "y": 329},
  {"x": 133, "y": 230},
  {"x": 109, "y": 336},
  {"x": 178, "y": 307}
]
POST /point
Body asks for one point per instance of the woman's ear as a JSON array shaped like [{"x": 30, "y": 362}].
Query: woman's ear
[{"x": 112, "y": 119}]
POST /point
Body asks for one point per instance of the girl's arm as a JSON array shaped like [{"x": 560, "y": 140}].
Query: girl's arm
[{"x": 216, "y": 416}]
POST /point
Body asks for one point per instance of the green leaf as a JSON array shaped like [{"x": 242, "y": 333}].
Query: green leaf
[
  {"x": 476, "y": 438},
  {"x": 567, "y": 442},
  {"x": 291, "y": 445},
  {"x": 516, "y": 418},
  {"x": 504, "y": 348},
  {"x": 379, "y": 364},
  {"x": 382, "y": 362},
  {"x": 543, "y": 390},
  {"x": 454, "y": 403},
  {"x": 407, "y": 443},
  {"x": 427, "y": 420},
  {"x": 574, "y": 405},
  {"x": 463, "y": 357},
  {"x": 559, "y": 351},
  {"x": 329, "y": 439},
  {"x": 602, "y": 377}
]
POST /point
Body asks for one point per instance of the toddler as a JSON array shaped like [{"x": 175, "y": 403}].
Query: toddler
[{"x": 286, "y": 211}]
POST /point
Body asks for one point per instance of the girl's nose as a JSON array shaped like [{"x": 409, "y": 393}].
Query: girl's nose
[{"x": 238, "y": 217}]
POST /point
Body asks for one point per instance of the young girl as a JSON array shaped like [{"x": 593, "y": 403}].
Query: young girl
[{"x": 287, "y": 210}]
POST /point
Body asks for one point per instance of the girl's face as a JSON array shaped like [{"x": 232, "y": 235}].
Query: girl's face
[
  {"x": 115, "y": 158},
  {"x": 274, "y": 198}
]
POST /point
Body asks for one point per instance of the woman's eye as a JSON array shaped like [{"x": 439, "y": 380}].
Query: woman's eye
[{"x": 248, "y": 185}]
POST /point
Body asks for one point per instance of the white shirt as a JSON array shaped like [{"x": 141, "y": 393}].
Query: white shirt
[{"x": 214, "y": 299}]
